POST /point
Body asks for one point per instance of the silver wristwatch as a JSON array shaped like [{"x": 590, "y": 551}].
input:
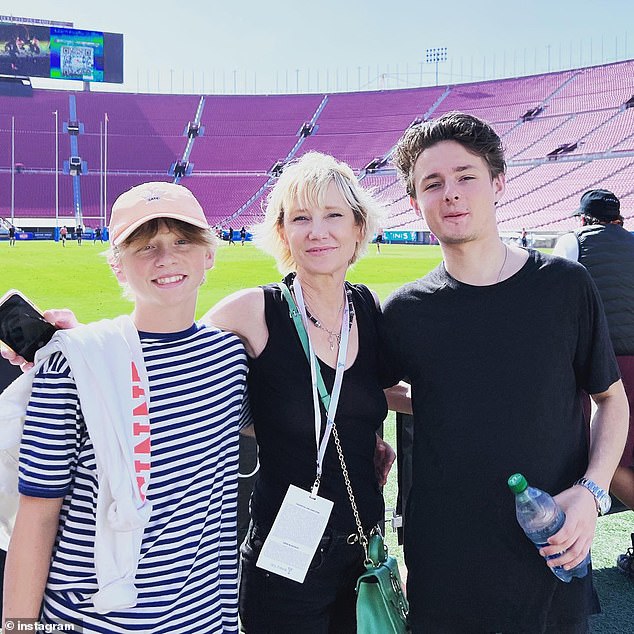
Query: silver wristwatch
[{"x": 601, "y": 496}]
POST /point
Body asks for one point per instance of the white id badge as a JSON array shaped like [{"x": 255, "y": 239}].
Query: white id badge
[{"x": 295, "y": 535}]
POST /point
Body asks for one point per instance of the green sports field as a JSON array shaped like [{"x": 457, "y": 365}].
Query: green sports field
[{"x": 79, "y": 278}]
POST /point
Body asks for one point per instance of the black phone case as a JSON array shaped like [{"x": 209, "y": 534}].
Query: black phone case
[{"x": 22, "y": 327}]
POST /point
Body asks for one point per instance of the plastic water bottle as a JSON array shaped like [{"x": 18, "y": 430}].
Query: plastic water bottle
[{"x": 541, "y": 517}]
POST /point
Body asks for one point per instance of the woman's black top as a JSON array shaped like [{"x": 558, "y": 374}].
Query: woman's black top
[{"x": 281, "y": 399}]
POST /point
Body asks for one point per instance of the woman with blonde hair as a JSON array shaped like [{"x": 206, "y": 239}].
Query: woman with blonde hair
[{"x": 318, "y": 222}]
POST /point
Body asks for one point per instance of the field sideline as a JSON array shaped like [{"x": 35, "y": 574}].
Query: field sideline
[{"x": 79, "y": 278}]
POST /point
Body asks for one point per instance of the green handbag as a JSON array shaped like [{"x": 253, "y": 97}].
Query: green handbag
[{"x": 381, "y": 605}]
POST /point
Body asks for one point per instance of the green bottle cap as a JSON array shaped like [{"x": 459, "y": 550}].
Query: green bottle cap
[{"x": 517, "y": 483}]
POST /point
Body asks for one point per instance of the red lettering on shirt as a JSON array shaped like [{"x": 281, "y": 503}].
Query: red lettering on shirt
[
  {"x": 143, "y": 447},
  {"x": 140, "y": 410},
  {"x": 141, "y": 466},
  {"x": 140, "y": 430}
]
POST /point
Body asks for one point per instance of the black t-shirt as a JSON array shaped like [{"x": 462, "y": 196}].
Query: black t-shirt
[
  {"x": 496, "y": 372},
  {"x": 280, "y": 395}
]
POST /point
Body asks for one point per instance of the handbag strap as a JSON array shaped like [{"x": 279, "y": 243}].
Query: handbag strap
[
  {"x": 325, "y": 399},
  {"x": 377, "y": 551}
]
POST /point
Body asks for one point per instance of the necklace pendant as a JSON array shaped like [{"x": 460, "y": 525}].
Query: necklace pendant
[{"x": 331, "y": 340}]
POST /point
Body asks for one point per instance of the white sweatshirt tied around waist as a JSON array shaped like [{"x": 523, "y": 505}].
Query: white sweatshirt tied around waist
[{"x": 107, "y": 364}]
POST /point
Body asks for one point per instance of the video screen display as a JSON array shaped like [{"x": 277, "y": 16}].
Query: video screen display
[
  {"x": 76, "y": 54},
  {"x": 60, "y": 53},
  {"x": 24, "y": 49}
]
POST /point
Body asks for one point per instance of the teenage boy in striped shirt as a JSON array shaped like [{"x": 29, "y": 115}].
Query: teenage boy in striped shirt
[{"x": 184, "y": 573}]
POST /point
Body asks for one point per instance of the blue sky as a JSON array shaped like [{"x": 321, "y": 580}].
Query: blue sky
[{"x": 290, "y": 45}]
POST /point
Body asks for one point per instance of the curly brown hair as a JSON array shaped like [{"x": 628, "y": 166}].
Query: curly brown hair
[{"x": 475, "y": 135}]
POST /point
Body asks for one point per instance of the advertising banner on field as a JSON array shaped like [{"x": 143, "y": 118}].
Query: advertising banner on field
[{"x": 401, "y": 236}]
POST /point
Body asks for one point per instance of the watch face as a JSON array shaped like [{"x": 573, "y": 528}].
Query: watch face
[{"x": 605, "y": 502}]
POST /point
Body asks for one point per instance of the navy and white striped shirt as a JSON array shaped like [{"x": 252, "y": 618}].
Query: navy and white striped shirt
[{"x": 187, "y": 572}]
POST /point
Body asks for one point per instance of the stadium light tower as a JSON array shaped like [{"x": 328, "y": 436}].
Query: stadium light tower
[
  {"x": 13, "y": 171},
  {"x": 105, "y": 166},
  {"x": 56, "y": 172},
  {"x": 435, "y": 56}
]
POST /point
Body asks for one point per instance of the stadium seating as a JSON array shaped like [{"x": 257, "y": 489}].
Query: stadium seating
[
  {"x": 359, "y": 127},
  {"x": 564, "y": 132}
]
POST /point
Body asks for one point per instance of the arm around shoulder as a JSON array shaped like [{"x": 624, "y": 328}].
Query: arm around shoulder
[
  {"x": 243, "y": 314},
  {"x": 29, "y": 556}
]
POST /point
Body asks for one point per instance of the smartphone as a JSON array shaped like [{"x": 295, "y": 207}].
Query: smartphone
[{"x": 22, "y": 326}]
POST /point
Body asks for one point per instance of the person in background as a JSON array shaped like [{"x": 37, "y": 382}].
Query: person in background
[
  {"x": 606, "y": 249},
  {"x": 482, "y": 413},
  {"x": 243, "y": 235},
  {"x": 135, "y": 529},
  {"x": 230, "y": 235},
  {"x": 379, "y": 240},
  {"x": 79, "y": 232},
  {"x": 97, "y": 235},
  {"x": 63, "y": 233}
]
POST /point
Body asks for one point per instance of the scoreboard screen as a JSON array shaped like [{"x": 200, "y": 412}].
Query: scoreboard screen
[
  {"x": 76, "y": 54},
  {"x": 60, "y": 53}
]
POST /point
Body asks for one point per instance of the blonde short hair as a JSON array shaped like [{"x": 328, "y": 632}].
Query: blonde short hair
[{"x": 304, "y": 183}]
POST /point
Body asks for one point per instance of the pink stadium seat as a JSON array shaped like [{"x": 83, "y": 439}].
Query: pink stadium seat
[{"x": 245, "y": 135}]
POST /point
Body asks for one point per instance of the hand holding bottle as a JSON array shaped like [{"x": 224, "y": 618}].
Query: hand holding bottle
[
  {"x": 543, "y": 520},
  {"x": 572, "y": 543}
]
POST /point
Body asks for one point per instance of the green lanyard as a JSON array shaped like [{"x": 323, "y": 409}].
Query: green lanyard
[{"x": 293, "y": 311}]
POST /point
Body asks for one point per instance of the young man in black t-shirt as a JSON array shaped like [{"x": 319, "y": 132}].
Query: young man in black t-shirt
[{"x": 483, "y": 412}]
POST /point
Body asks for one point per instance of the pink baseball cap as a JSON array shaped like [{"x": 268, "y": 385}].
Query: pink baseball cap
[{"x": 153, "y": 200}]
